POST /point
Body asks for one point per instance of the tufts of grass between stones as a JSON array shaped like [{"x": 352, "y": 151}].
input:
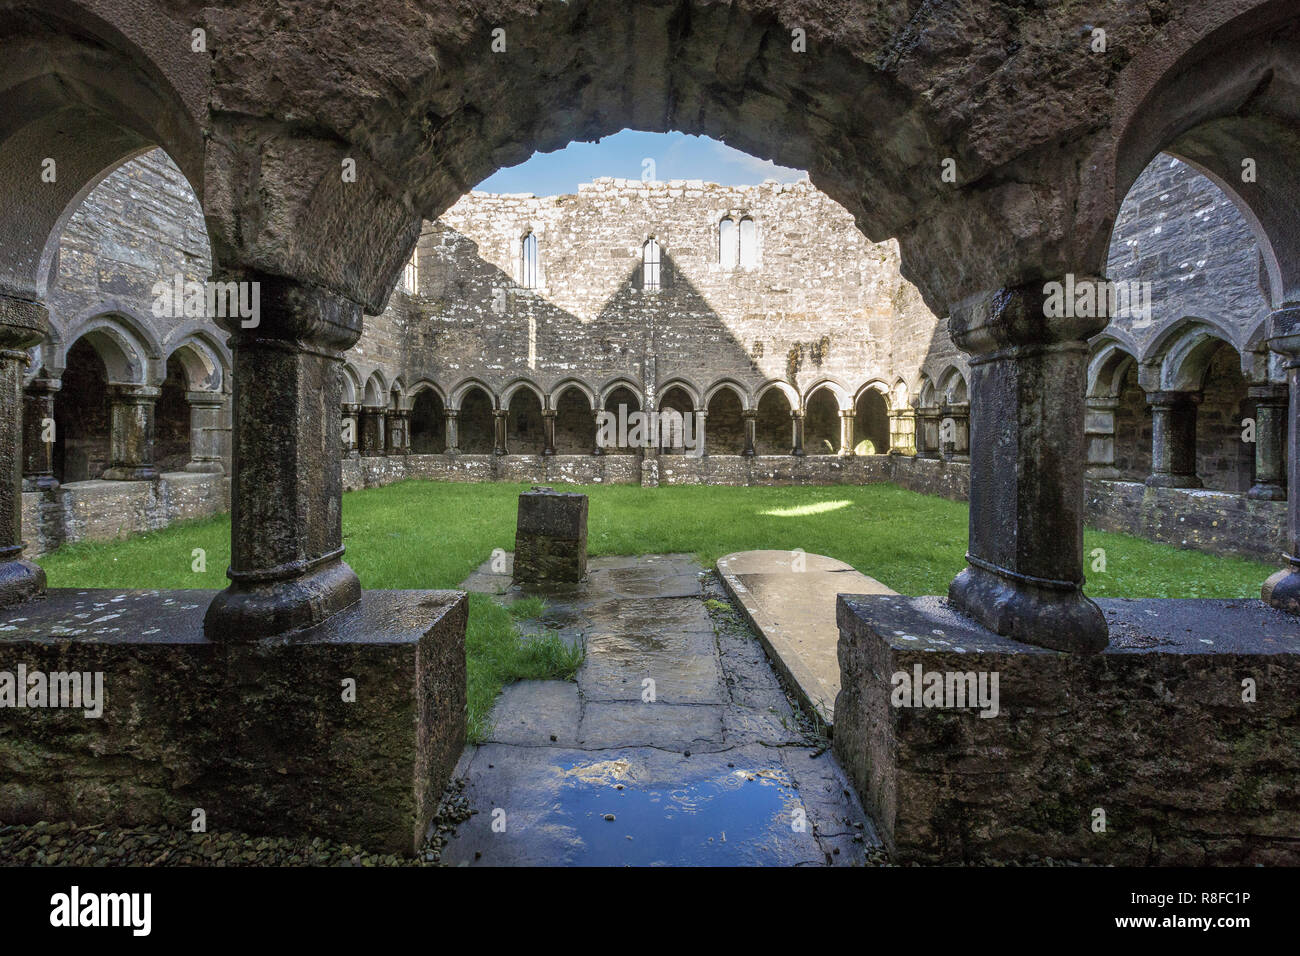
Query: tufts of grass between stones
[{"x": 422, "y": 534}]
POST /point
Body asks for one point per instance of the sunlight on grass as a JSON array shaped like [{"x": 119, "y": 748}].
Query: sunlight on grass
[{"x": 802, "y": 511}]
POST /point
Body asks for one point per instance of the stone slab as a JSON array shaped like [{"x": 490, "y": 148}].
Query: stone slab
[
  {"x": 258, "y": 734},
  {"x": 789, "y": 599},
  {"x": 1183, "y": 732}
]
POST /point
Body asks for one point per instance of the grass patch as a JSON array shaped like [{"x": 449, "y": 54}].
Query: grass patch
[{"x": 421, "y": 534}]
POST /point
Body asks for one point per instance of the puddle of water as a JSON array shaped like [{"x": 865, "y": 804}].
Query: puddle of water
[{"x": 738, "y": 815}]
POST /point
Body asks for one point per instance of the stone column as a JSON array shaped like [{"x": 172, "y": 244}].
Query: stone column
[
  {"x": 699, "y": 422},
  {"x": 1173, "y": 439},
  {"x": 350, "y": 426},
  {"x": 500, "y": 418},
  {"x": 22, "y": 325},
  {"x": 372, "y": 431},
  {"x": 205, "y": 432},
  {"x": 959, "y": 415},
  {"x": 1282, "y": 590},
  {"x": 902, "y": 432},
  {"x": 796, "y": 420},
  {"x": 927, "y": 444},
  {"x": 286, "y": 569},
  {"x": 846, "y": 433},
  {"x": 451, "y": 417},
  {"x": 397, "y": 431},
  {"x": 596, "y": 414},
  {"x": 38, "y": 425},
  {"x": 131, "y": 432},
  {"x": 1024, "y": 574},
  {"x": 750, "y": 417},
  {"x": 1099, "y": 435},
  {"x": 1270, "y": 442},
  {"x": 548, "y": 431}
]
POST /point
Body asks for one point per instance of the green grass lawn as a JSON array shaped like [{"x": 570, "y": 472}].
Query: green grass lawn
[{"x": 421, "y": 534}]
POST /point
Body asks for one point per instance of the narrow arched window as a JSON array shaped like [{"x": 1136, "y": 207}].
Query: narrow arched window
[
  {"x": 411, "y": 274},
  {"x": 748, "y": 243},
  {"x": 528, "y": 262},
  {"x": 727, "y": 248},
  {"x": 650, "y": 266}
]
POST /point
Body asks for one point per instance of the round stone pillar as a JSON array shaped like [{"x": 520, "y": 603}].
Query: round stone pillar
[
  {"x": 372, "y": 431},
  {"x": 1024, "y": 574},
  {"x": 1270, "y": 442},
  {"x": 397, "y": 438},
  {"x": 39, "y": 435},
  {"x": 206, "y": 410},
  {"x": 548, "y": 431},
  {"x": 350, "y": 426},
  {"x": 22, "y": 325},
  {"x": 796, "y": 422},
  {"x": 1282, "y": 590},
  {"x": 597, "y": 417},
  {"x": 500, "y": 418},
  {"x": 131, "y": 410},
  {"x": 1173, "y": 439},
  {"x": 750, "y": 417},
  {"x": 451, "y": 417},
  {"x": 286, "y": 569},
  {"x": 846, "y": 433}
]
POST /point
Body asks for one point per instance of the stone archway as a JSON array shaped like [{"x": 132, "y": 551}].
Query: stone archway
[
  {"x": 575, "y": 423},
  {"x": 871, "y": 423},
  {"x": 428, "y": 423},
  {"x": 772, "y": 427},
  {"x": 81, "y": 416},
  {"x": 725, "y": 424}
]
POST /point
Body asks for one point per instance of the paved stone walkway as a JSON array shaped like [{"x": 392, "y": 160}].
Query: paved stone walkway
[{"x": 716, "y": 769}]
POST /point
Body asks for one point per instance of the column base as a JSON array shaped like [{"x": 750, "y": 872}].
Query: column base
[
  {"x": 206, "y": 467},
  {"x": 1051, "y": 617},
  {"x": 1282, "y": 590},
  {"x": 1173, "y": 481},
  {"x": 20, "y": 581},
  {"x": 798, "y": 453},
  {"x": 134, "y": 473},
  {"x": 246, "y": 611},
  {"x": 1102, "y": 472},
  {"x": 43, "y": 483},
  {"x": 1267, "y": 492}
]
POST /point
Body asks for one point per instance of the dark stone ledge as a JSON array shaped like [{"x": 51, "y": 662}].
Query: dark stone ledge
[
  {"x": 1154, "y": 732},
  {"x": 257, "y": 734}
]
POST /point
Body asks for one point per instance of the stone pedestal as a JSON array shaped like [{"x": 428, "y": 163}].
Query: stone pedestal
[
  {"x": 22, "y": 325},
  {"x": 1173, "y": 439},
  {"x": 287, "y": 570},
  {"x": 1099, "y": 435},
  {"x": 206, "y": 409},
  {"x": 551, "y": 537},
  {"x": 1282, "y": 590},
  {"x": 796, "y": 420},
  {"x": 1270, "y": 442},
  {"x": 750, "y": 418},
  {"x": 1024, "y": 575},
  {"x": 131, "y": 410},
  {"x": 38, "y": 426},
  {"x": 846, "y": 433},
  {"x": 373, "y": 431}
]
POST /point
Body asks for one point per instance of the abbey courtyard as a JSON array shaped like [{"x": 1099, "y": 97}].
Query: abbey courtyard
[{"x": 263, "y": 283}]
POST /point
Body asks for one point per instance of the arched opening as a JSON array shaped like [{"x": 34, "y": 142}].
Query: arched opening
[
  {"x": 821, "y": 428},
  {"x": 428, "y": 424},
  {"x": 725, "y": 424},
  {"x": 475, "y": 423},
  {"x": 81, "y": 416},
  {"x": 172, "y": 420},
  {"x": 621, "y": 402},
  {"x": 871, "y": 424},
  {"x": 1224, "y": 461},
  {"x": 676, "y": 421},
  {"x": 772, "y": 428},
  {"x": 575, "y": 426},
  {"x": 524, "y": 426}
]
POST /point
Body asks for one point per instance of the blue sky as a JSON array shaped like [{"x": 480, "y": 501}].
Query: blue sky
[{"x": 675, "y": 156}]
